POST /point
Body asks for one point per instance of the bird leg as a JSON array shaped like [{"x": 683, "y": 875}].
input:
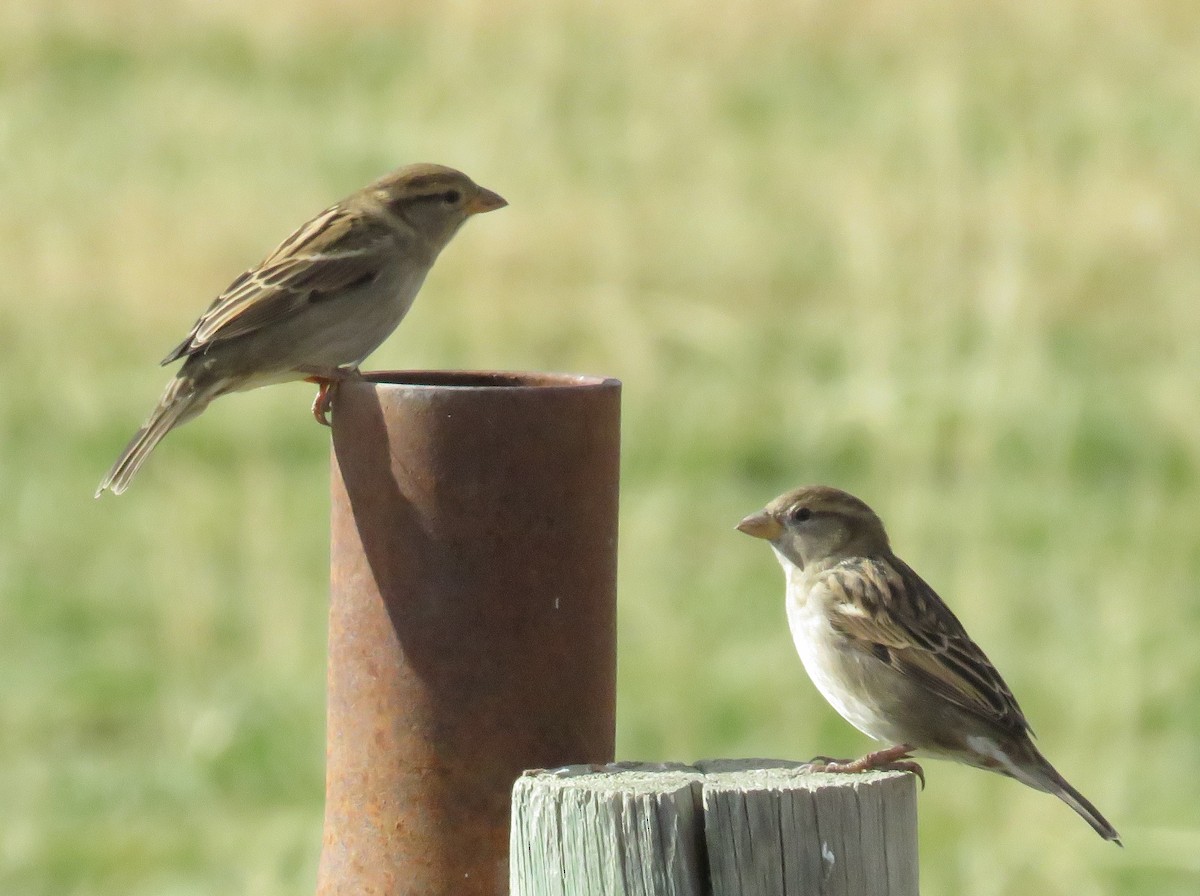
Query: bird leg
[
  {"x": 892, "y": 759},
  {"x": 327, "y": 380},
  {"x": 324, "y": 400}
]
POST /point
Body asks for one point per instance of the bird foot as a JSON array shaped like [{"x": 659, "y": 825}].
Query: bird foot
[
  {"x": 324, "y": 400},
  {"x": 328, "y": 383},
  {"x": 892, "y": 759}
]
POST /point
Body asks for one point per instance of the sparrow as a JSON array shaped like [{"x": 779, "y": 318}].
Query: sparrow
[
  {"x": 322, "y": 301},
  {"x": 887, "y": 653}
]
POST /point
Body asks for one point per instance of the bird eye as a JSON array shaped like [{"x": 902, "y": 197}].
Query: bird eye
[
  {"x": 799, "y": 514},
  {"x": 451, "y": 197}
]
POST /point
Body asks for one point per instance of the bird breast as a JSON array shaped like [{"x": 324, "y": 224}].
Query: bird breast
[
  {"x": 360, "y": 320},
  {"x": 854, "y": 682}
]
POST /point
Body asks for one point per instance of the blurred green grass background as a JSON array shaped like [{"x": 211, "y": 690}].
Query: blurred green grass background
[{"x": 943, "y": 256}]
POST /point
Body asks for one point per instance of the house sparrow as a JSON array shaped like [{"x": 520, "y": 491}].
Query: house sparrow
[
  {"x": 888, "y": 654},
  {"x": 319, "y": 304}
]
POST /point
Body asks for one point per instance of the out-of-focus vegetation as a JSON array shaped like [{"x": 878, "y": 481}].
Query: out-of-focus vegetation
[{"x": 944, "y": 256}]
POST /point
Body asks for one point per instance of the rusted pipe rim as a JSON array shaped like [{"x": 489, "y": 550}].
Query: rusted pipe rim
[{"x": 487, "y": 379}]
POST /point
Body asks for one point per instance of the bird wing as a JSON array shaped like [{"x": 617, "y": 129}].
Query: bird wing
[
  {"x": 882, "y": 607},
  {"x": 336, "y": 250}
]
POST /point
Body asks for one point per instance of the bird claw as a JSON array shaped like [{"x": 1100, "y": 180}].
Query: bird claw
[
  {"x": 328, "y": 381},
  {"x": 324, "y": 401},
  {"x": 893, "y": 759}
]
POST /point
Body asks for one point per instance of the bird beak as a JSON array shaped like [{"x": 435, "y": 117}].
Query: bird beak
[
  {"x": 485, "y": 201},
  {"x": 761, "y": 525}
]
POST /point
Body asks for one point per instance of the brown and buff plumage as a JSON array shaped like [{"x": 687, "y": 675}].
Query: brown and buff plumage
[
  {"x": 322, "y": 301},
  {"x": 889, "y": 655}
]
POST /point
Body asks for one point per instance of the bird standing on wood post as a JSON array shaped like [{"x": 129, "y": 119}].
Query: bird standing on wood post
[
  {"x": 314, "y": 308},
  {"x": 888, "y": 654}
]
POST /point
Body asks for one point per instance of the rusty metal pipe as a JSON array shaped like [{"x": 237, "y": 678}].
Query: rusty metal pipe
[{"x": 472, "y": 623}]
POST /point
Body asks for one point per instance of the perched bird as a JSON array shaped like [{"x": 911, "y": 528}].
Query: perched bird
[
  {"x": 888, "y": 654},
  {"x": 319, "y": 304}
]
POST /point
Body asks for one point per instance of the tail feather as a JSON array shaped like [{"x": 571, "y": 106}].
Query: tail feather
[
  {"x": 180, "y": 403},
  {"x": 1036, "y": 771},
  {"x": 1086, "y": 810}
]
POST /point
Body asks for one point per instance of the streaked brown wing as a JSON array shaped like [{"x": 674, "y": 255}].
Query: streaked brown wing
[
  {"x": 884, "y": 608},
  {"x": 333, "y": 251}
]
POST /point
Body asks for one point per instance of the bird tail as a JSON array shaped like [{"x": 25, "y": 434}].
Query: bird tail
[
  {"x": 180, "y": 402},
  {"x": 1039, "y": 774}
]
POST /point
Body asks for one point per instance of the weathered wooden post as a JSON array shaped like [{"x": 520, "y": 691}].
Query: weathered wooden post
[
  {"x": 720, "y": 828},
  {"x": 472, "y": 618}
]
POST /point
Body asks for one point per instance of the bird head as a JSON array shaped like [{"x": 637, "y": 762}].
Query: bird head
[
  {"x": 433, "y": 199},
  {"x": 818, "y": 524}
]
